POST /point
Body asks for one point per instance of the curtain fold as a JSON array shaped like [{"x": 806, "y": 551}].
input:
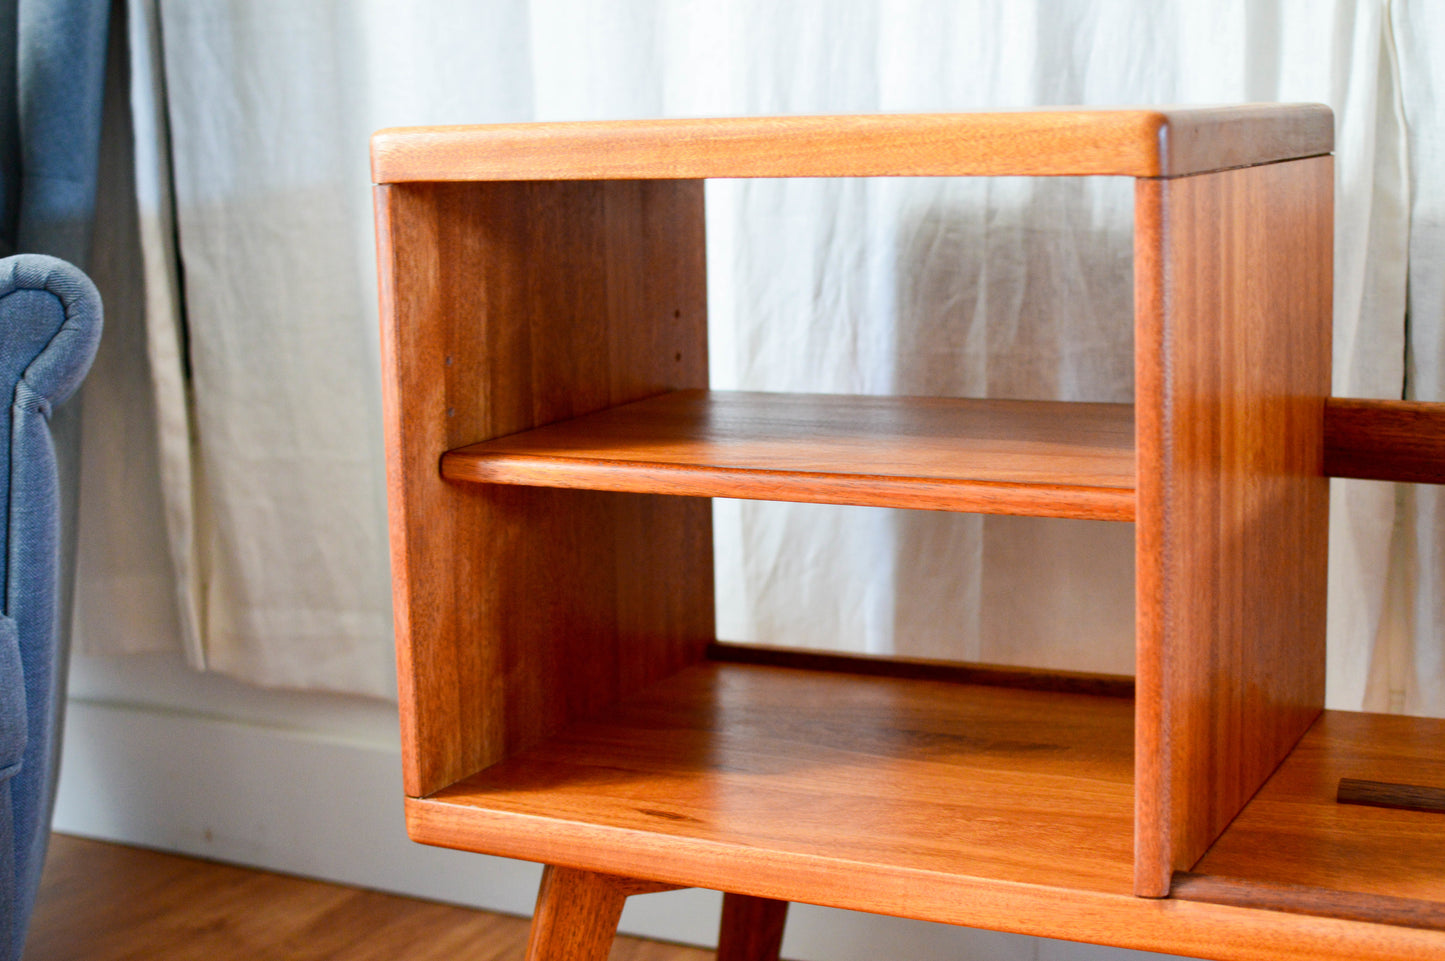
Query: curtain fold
[
  {"x": 1412, "y": 677},
  {"x": 257, "y": 113}
]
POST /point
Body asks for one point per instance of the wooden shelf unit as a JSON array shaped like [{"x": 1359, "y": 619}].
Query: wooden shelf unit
[{"x": 543, "y": 298}]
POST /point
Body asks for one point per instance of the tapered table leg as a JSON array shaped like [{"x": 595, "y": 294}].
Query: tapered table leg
[
  {"x": 751, "y": 929},
  {"x": 577, "y": 912}
]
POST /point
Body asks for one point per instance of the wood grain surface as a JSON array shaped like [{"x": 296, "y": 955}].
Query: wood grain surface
[
  {"x": 1144, "y": 142},
  {"x": 1232, "y": 311},
  {"x": 1295, "y": 832},
  {"x": 880, "y": 772},
  {"x": 506, "y": 306},
  {"x": 1391, "y": 440},
  {"x": 576, "y": 916},
  {"x": 992, "y": 456},
  {"x": 985, "y": 807}
]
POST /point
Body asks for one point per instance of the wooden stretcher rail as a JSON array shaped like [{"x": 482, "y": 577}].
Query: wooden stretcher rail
[
  {"x": 1381, "y": 794},
  {"x": 996, "y": 675},
  {"x": 1392, "y": 440}
]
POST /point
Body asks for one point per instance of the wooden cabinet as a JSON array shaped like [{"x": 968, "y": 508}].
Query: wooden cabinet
[{"x": 552, "y": 444}]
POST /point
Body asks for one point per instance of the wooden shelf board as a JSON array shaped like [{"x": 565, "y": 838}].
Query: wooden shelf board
[
  {"x": 1135, "y": 142},
  {"x": 1294, "y": 833},
  {"x": 879, "y": 772},
  {"x": 984, "y": 806},
  {"x": 992, "y": 456}
]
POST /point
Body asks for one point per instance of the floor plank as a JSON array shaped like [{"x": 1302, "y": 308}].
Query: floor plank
[{"x": 107, "y": 902}]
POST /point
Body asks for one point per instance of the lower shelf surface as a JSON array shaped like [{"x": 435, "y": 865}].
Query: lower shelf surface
[
  {"x": 985, "y": 806},
  {"x": 1296, "y": 834},
  {"x": 879, "y": 772}
]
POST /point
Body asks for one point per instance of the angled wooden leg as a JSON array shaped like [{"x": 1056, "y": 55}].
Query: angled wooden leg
[
  {"x": 752, "y": 928},
  {"x": 576, "y": 916},
  {"x": 577, "y": 912}
]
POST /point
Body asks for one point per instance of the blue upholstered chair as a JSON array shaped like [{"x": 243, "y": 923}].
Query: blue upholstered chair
[
  {"x": 52, "y": 71},
  {"x": 50, "y": 320}
]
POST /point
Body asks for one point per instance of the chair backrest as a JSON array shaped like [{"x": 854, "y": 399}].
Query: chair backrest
[{"x": 50, "y": 320}]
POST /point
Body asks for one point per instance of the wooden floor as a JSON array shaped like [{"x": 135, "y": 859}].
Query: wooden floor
[{"x": 105, "y": 902}]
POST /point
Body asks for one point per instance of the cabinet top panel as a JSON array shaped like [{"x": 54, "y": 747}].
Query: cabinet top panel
[{"x": 1131, "y": 142}]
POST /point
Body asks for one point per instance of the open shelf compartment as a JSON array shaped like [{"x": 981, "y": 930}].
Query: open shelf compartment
[
  {"x": 868, "y": 786},
  {"x": 727, "y": 764}
]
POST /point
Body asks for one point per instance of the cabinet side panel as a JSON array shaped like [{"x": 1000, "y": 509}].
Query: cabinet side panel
[
  {"x": 505, "y": 306},
  {"x": 1233, "y": 314}
]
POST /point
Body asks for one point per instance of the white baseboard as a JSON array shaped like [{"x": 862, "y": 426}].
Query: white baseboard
[
  {"x": 283, "y": 800},
  {"x": 320, "y": 806}
]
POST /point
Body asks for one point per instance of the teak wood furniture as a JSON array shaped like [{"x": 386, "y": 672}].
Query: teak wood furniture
[{"x": 563, "y": 698}]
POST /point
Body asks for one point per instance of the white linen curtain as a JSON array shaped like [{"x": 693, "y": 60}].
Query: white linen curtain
[
  {"x": 251, "y": 120},
  {"x": 1411, "y": 675}
]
